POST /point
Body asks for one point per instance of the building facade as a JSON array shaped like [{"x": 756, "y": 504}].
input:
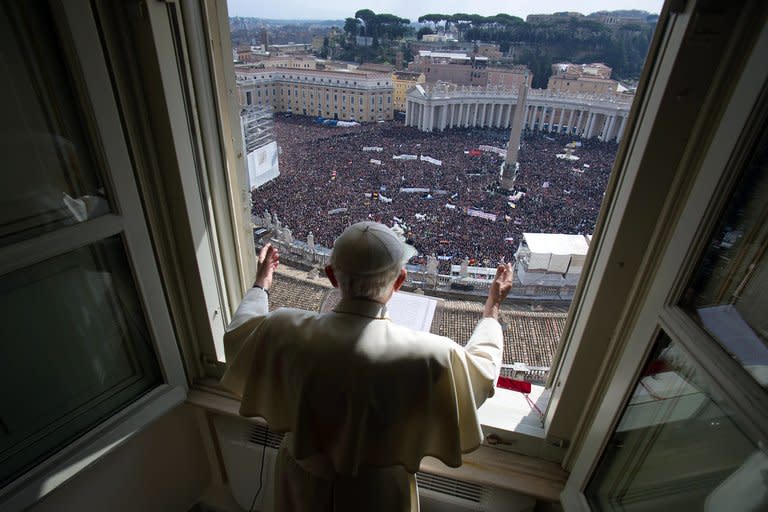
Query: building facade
[
  {"x": 582, "y": 79},
  {"x": 343, "y": 95},
  {"x": 402, "y": 81}
]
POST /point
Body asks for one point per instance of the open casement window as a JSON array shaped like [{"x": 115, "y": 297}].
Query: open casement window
[
  {"x": 674, "y": 415},
  {"x": 174, "y": 77},
  {"x": 86, "y": 333}
]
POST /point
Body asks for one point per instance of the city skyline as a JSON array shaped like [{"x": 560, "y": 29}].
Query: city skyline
[{"x": 340, "y": 9}]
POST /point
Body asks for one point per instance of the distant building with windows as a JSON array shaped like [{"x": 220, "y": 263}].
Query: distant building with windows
[
  {"x": 551, "y": 18},
  {"x": 462, "y": 68},
  {"x": 334, "y": 94},
  {"x": 289, "y": 62},
  {"x": 401, "y": 82},
  {"x": 439, "y": 38},
  {"x": 592, "y": 79}
]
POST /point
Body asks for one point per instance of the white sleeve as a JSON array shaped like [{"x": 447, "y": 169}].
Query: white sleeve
[
  {"x": 484, "y": 352},
  {"x": 253, "y": 308},
  {"x": 255, "y": 303}
]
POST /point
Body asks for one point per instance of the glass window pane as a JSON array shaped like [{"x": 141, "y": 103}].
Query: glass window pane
[
  {"x": 75, "y": 349},
  {"x": 49, "y": 176},
  {"x": 677, "y": 446},
  {"x": 727, "y": 294}
]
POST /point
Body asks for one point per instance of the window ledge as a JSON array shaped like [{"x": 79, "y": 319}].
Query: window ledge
[
  {"x": 89, "y": 449},
  {"x": 488, "y": 465}
]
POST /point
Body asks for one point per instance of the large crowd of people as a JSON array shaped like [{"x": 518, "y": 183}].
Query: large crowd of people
[{"x": 327, "y": 182}]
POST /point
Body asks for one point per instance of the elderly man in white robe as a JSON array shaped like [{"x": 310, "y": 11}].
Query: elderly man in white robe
[{"x": 362, "y": 399}]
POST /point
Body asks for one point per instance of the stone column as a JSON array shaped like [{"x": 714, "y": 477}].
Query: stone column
[
  {"x": 407, "y": 112},
  {"x": 430, "y": 118},
  {"x": 621, "y": 127},
  {"x": 592, "y": 123},
  {"x": 443, "y": 117},
  {"x": 570, "y": 122},
  {"x": 610, "y": 128},
  {"x": 579, "y": 131},
  {"x": 560, "y": 121}
]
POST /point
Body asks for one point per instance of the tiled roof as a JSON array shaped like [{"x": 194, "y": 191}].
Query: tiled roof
[{"x": 530, "y": 337}]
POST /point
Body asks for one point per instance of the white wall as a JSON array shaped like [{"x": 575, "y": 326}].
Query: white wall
[{"x": 164, "y": 468}]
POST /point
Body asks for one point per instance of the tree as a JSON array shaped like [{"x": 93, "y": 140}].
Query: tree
[
  {"x": 352, "y": 27},
  {"x": 368, "y": 18},
  {"x": 390, "y": 26},
  {"x": 424, "y": 31},
  {"x": 435, "y": 19}
]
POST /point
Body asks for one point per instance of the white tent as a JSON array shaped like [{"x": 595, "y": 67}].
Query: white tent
[{"x": 556, "y": 253}]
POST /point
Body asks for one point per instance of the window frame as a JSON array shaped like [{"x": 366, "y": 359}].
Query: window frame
[
  {"x": 566, "y": 421},
  {"x": 725, "y": 132},
  {"x": 80, "y": 39}
]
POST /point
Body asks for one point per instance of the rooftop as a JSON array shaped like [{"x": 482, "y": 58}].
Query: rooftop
[
  {"x": 530, "y": 337},
  {"x": 548, "y": 243}
]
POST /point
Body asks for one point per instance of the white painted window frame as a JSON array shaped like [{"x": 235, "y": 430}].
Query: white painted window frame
[
  {"x": 127, "y": 220},
  {"x": 692, "y": 217}
]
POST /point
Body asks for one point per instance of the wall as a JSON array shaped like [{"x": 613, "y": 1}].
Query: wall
[{"x": 164, "y": 468}]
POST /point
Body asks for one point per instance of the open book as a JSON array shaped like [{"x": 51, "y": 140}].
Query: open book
[{"x": 412, "y": 310}]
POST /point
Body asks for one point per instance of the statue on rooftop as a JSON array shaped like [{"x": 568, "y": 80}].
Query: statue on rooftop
[
  {"x": 432, "y": 265},
  {"x": 464, "y": 269},
  {"x": 311, "y": 242}
]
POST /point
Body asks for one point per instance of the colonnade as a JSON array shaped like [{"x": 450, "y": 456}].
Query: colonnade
[
  {"x": 429, "y": 117},
  {"x": 578, "y": 116},
  {"x": 583, "y": 121}
]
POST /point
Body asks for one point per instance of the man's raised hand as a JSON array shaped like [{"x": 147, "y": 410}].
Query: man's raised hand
[
  {"x": 500, "y": 287},
  {"x": 269, "y": 259}
]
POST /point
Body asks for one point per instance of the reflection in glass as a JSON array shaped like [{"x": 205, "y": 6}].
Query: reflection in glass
[
  {"x": 678, "y": 447},
  {"x": 49, "y": 176},
  {"x": 727, "y": 295},
  {"x": 75, "y": 348}
]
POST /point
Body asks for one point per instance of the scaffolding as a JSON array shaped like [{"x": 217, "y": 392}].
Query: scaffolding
[{"x": 258, "y": 125}]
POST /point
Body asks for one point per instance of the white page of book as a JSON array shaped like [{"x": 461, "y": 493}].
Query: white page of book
[{"x": 412, "y": 310}]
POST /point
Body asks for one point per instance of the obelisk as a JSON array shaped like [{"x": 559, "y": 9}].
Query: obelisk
[{"x": 509, "y": 168}]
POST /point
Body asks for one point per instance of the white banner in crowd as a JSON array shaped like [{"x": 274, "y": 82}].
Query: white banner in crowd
[
  {"x": 337, "y": 210},
  {"x": 373, "y": 148},
  {"x": 492, "y": 149},
  {"x": 405, "y": 157},
  {"x": 374, "y": 161},
  {"x": 411, "y": 190},
  {"x": 479, "y": 213},
  {"x": 384, "y": 199},
  {"x": 431, "y": 160}
]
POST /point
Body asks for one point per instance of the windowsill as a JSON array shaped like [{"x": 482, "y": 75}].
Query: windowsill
[
  {"x": 47, "y": 476},
  {"x": 523, "y": 462}
]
